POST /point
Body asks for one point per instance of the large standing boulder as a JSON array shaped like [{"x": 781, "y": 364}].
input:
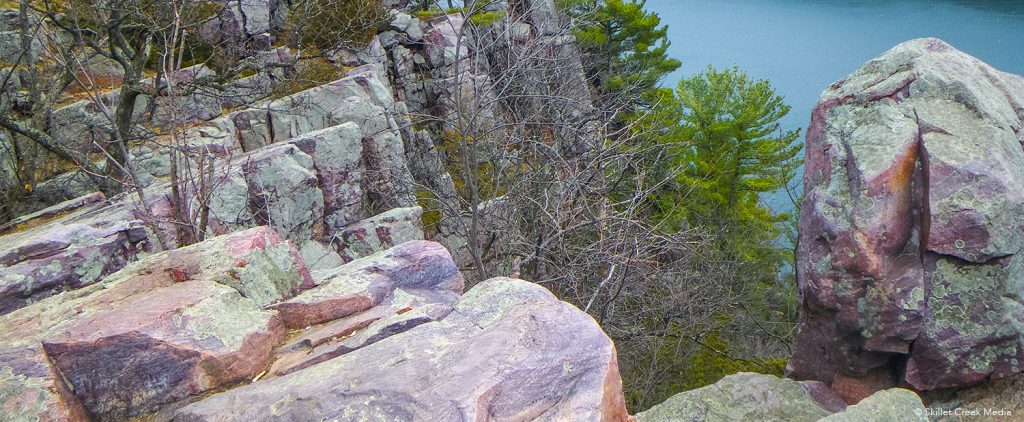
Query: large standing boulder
[
  {"x": 509, "y": 351},
  {"x": 910, "y": 266}
]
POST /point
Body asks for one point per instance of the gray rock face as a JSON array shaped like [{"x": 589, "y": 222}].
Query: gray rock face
[
  {"x": 443, "y": 45},
  {"x": 379, "y": 232},
  {"x": 11, "y": 50},
  {"x": 534, "y": 357},
  {"x": 911, "y": 230},
  {"x": 283, "y": 191},
  {"x": 739, "y": 397},
  {"x": 81, "y": 124},
  {"x": 243, "y": 24},
  {"x": 336, "y": 147},
  {"x": 336, "y": 153}
]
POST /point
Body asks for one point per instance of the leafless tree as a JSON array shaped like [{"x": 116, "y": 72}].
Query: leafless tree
[{"x": 555, "y": 188}]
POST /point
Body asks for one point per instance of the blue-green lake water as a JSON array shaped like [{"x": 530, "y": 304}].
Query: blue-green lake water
[{"x": 804, "y": 46}]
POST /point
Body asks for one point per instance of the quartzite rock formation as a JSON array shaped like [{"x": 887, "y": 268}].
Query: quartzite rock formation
[
  {"x": 163, "y": 328},
  {"x": 385, "y": 336},
  {"x": 910, "y": 266},
  {"x": 315, "y": 297},
  {"x": 509, "y": 350},
  {"x": 313, "y": 267}
]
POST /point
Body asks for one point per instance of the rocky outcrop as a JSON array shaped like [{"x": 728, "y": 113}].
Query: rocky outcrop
[
  {"x": 163, "y": 330},
  {"x": 747, "y": 396},
  {"x": 534, "y": 357},
  {"x": 245, "y": 24},
  {"x": 169, "y": 327},
  {"x": 332, "y": 151},
  {"x": 998, "y": 399},
  {"x": 387, "y": 293},
  {"x": 379, "y": 232},
  {"x": 911, "y": 230},
  {"x": 106, "y": 318}
]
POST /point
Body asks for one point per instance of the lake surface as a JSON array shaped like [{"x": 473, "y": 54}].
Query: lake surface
[{"x": 804, "y": 46}]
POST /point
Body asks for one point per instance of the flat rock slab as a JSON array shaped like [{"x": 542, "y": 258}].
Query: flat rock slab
[
  {"x": 421, "y": 266},
  {"x": 380, "y": 232},
  {"x": 340, "y": 295},
  {"x": 47, "y": 260},
  {"x": 161, "y": 346},
  {"x": 740, "y": 397},
  {"x": 163, "y": 328},
  {"x": 387, "y": 321},
  {"x": 533, "y": 357},
  {"x": 886, "y": 405},
  {"x": 418, "y": 265}
]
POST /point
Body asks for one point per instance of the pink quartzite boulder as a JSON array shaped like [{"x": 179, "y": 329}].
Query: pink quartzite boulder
[
  {"x": 510, "y": 350},
  {"x": 163, "y": 328},
  {"x": 419, "y": 267},
  {"x": 910, "y": 266}
]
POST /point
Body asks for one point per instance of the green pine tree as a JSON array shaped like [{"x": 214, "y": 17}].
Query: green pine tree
[
  {"x": 625, "y": 49},
  {"x": 733, "y": 149}
]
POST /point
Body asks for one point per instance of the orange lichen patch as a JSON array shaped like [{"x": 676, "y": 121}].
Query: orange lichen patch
[
  {"x": 69, "y": 96},
  {"x": 872, "y": 263},
  {"x": 897, "y": 178}
]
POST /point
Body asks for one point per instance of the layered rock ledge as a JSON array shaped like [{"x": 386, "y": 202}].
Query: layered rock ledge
[{"x": 389, "y": 335}]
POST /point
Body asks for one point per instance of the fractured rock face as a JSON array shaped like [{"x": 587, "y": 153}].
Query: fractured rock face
[
  {"x": 533, "y": 357},
  {"x": 910, "y": 265},
  {"x": 380, "y": 232}
]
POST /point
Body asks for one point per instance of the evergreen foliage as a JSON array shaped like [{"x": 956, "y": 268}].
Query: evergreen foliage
[
  {"x": 721, "y": 136},
  {"x": 718, "y": 140},
  {"x": 626, "y": 48}
]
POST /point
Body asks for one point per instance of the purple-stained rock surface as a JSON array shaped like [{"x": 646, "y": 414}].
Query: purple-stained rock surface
[
  {"x": 910, "y": 267},
  {"x": 339, "y": 295},
  {"x": 420, "y": 267},
  {"x": 165, "y": 327},
  {"x": 509, "y": 350},
  {"x": 379, "y": 232},
  {"x": 41, "y": 261}
]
